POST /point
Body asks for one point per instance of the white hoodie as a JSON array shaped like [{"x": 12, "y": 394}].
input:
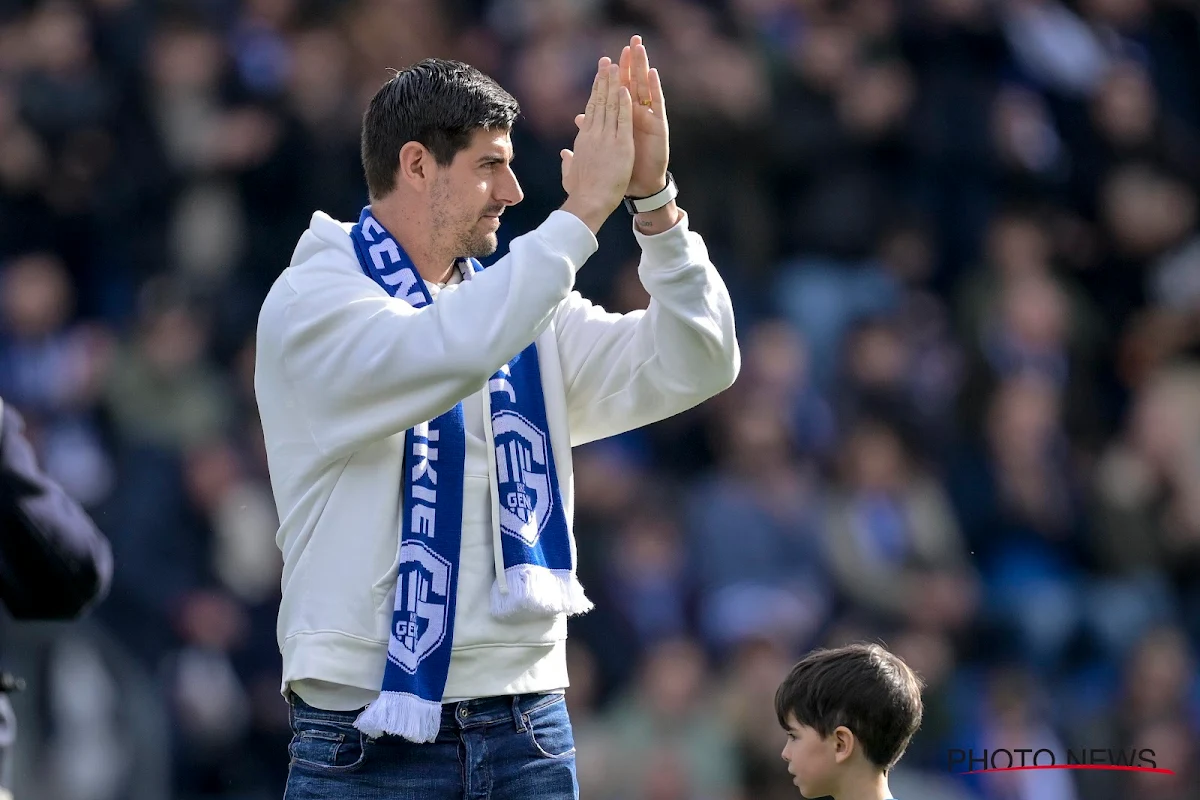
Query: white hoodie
[{"x": 343, "y": 370}]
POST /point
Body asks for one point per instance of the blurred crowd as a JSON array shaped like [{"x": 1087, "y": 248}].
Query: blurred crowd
[{"x": 963, "y": 238}]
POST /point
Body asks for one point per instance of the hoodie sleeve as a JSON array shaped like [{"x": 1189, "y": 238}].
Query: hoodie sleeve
[
  {"x": 626, "y": 371},
  {"x": 361, "y": 365}
]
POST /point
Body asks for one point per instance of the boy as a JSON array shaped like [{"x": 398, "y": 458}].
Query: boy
[{"x": 849, "y": 714}]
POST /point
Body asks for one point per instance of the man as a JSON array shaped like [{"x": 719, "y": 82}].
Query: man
[
  {"x": 54, "y": 563},
  {"x": 419, "y": 415}
]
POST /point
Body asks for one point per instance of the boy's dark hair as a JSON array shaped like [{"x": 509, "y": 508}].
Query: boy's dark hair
[
  {"x": 436, "y": 102},
  {"x": 862, "y": 686}
]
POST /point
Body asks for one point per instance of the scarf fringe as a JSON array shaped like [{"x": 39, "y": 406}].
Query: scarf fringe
[
  {"x": 401, "y": 714},
  {"x": 535, "y": 591}
]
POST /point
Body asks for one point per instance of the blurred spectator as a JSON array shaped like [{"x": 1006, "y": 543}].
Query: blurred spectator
[
  {"x": 753, "y": 525},
  {"x": 1157, "y": 708},
  {"x": 894, "y": 544},
  {"x": 1020, "y": 499},
  {"x": 1147, "y": 518},
  {"x": 776, "y": 370},
  {"x": 647, "y": 584},
  {"x": 162, "y": 392},
  {"x": 53, "y": 370},
  {"x": 1017, "y": 715},
  {"x": 753, "y": 672},
  {"x": 665, "y": 736}
]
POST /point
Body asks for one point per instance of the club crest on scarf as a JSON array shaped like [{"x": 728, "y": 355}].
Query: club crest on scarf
[
  {"x": 423, "y": 583},
  {"x": 419, "y": 617},
  {"x": 523, "y": 476},
  {"x": 522, "y": 468}
]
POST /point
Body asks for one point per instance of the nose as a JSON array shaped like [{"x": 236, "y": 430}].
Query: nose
[{"x": 508, "y": 189}]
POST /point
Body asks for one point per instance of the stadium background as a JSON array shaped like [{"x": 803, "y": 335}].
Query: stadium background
[{"x": 962, "y": 240}]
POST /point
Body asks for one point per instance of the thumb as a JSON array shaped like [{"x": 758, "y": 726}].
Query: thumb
[{"x": 567, "y": 156}]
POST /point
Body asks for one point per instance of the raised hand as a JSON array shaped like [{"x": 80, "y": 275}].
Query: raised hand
[
  {"x": 597, "y": 174},
  {"x": 651, "y": 139}
]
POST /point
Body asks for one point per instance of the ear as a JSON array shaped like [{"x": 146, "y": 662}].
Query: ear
[
  {"x": 844, "y": 743},
  {"x": 417, "y": 166}
]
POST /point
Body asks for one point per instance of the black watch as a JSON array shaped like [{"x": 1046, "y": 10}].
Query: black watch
[{"x": 640, "y": 205}]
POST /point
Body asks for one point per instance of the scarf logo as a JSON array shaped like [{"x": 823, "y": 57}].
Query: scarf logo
[
  {"x": 419, "y": 619},
  {"x": 524, "y": 477}
]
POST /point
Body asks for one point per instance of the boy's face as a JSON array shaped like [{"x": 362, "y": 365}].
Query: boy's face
[{"x": 811, "y": 759}]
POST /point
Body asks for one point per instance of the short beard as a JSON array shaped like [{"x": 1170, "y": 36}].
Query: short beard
[
  {"x": 467, "y": 244},
  {"x": 477, "y": 245}
]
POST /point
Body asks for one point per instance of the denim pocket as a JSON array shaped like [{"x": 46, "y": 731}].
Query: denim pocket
[
  {"x": 327, "y": 746},
  {"x": 549, "y": 729}
]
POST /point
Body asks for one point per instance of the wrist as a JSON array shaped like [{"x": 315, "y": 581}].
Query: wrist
[
  {"x": 659, "y": 220},
  {"x": 591, "y": 216}
]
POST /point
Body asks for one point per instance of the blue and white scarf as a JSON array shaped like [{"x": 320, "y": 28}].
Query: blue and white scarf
[{"x": 539, "y": 568}]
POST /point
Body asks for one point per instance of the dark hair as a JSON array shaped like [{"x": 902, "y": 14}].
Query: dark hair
[
  {"x": 862, "y": 686},
  {"x": 436, "y": 102}
]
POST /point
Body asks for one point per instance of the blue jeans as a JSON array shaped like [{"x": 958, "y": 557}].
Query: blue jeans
[{"x": 494, "y": 748}]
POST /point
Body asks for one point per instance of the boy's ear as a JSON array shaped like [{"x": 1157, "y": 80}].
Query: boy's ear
[{"x": 844, "y": 743}]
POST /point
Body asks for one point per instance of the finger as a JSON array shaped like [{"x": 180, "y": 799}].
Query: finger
[
  {"x": 595, "y": 112},
  {"x": 606, "y": 107},
  {"x": 626, "y": 63},
  {"x": 595, "y": 101},
  {"x": 656, "y": 93},
  {"x": 641, "y": 72},
  {"x": 579, "y": 120},
  {"x": 614, "y": 88},
  {"x": 624, "y": 112}
]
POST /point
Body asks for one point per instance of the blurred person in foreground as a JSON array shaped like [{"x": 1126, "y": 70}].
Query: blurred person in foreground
[
  {"x": 849, "y": 714},
  {"x": 54, "y": 563},
  {"x": 420, "y": 448}
]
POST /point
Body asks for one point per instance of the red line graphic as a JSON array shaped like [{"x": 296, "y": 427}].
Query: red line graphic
[{"x": 1118, "y": 767}]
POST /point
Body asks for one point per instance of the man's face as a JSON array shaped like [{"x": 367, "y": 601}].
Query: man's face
[
  {"x": 471, "y": 193},
  {"x": 810, "y": 759}
]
